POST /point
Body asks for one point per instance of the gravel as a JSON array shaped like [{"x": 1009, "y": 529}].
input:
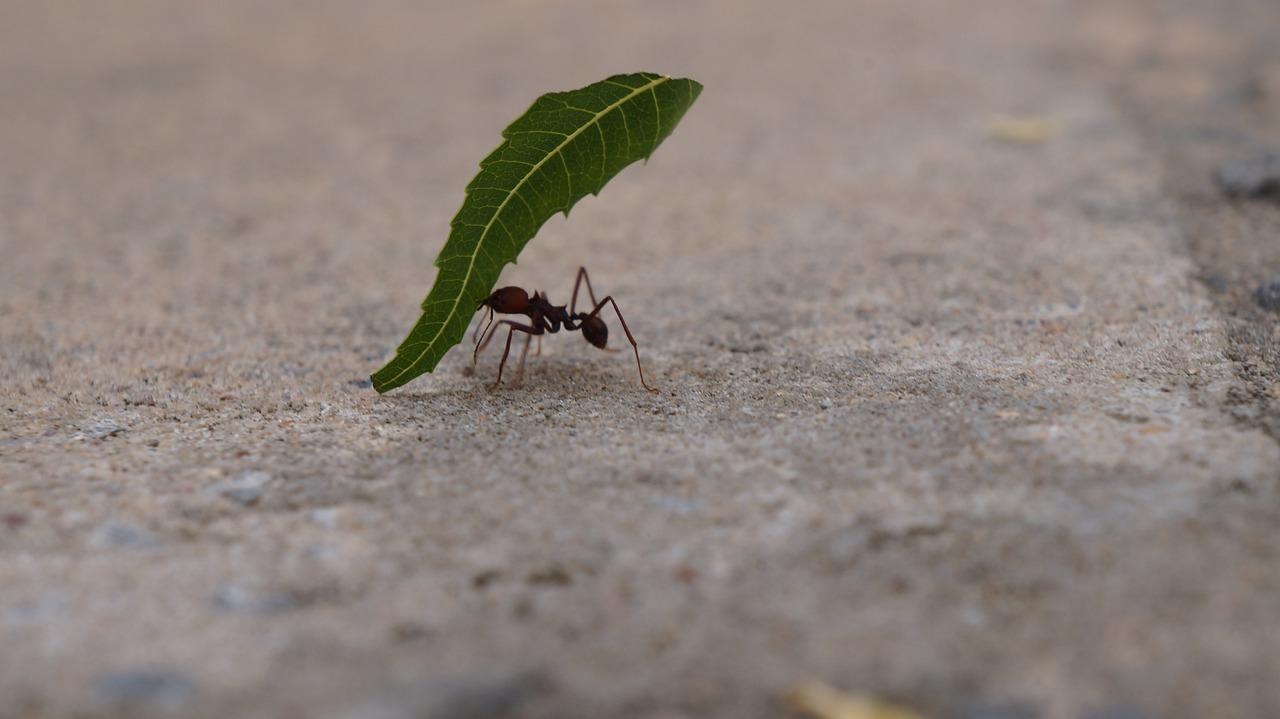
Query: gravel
[
  {"x": 1268, "y": 294},
  {"x": 1257, "y": 175}
]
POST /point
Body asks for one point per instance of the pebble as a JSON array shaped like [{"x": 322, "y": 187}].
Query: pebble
[
  {"x": 825, "y": 403},
  {"x": 552, "y": 575},
  {"x": 155, "y": 689},
  {"x": 1216, "y": 281},
  {"x": 1255, "y": 176},
  {"x": 102, "y": 429},
  {"x": 1268, "y": 294},
  {"x": 409, "y": 632},
  {"x": 238, "y": 600},
  {"x": 14, "y": 520},
  {"x": 327, "y": 517},
  {"x": 293, "y": 369},
  {"x": 122, "y": 536},
  {"x": 244, "y": 488}
]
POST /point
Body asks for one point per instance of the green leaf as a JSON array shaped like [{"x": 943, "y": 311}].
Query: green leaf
[{"x": 566, "y": 145}]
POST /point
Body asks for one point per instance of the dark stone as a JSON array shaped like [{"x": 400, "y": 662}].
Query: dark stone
[
  {"x": 13, "y": 520},
  {"x": 471, "y": 698},
  {"x": 485, "y": 578},
  {"x": 492, "y": 699},
  {"x": 1268, "y": 294},
  {"x": 1216, "y": 282},
  {"x": 554, "y": 575},
  {"x": 1255, "y": 176},
  {"x": 409, "y": 631}
]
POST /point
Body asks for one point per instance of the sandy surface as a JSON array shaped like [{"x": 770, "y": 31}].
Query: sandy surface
[{"x": 965, "y": 401}]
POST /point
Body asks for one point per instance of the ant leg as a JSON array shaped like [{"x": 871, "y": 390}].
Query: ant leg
[
  {"x": 582, "y": 276},
  {"x": 475, "y": 354},
  {"x": 538, "y": 353},
  {"x": 507, "y": 350},
  {"x": 523, "y": 354},
  {"x": 609, "y": 299},
  {"x": 485, "y": 337},
  {"x": 478, "y": 332}
]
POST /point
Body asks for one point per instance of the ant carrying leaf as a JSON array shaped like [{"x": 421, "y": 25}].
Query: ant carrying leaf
[{"x": 568, "y": 144}]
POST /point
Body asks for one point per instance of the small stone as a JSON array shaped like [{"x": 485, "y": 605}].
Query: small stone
[
  {"x": 1254, "y": 176},
  {"x": 293, "y": 369},
  {"x": 326, "y": 517},
  {"x": 1216, "y": 281},
  {"x": 238, "y": 600},
  {"x": 155, "y": 689},
  {"x": 101, "y": 429},
  {"x": 244, "y": 488},
  {"x": 554, "y": 575},
  {"x": 452, "y": 698},
  {"x": 14, "y": 520},
  {"x": 122, "y": 536},
  {"x": 409, "y": 631},
  {"x": 485, "y": 578},
  {"x": 824, "y": 403},
  {"x": 1268, "y": 294},
  {"x": 140, "y": 399}
]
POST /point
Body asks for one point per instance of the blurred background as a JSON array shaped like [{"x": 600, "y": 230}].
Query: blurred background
[{"x": 964, "y": 316}]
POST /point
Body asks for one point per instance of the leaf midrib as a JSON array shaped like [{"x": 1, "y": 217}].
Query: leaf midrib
[{"x": 502, "y": 206}]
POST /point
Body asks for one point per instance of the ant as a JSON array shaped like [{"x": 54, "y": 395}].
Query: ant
[{"x": 545, "y": 317}]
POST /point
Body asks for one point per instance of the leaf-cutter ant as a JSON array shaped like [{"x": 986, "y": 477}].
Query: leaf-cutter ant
[{"x": 545, "y": 317}]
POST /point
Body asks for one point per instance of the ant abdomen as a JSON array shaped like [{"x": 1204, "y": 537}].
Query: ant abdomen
[{"x": 595, "y": 330}]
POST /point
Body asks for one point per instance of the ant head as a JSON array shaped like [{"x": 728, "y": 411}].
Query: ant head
[
  {"x": 595, "y": 330},
  {"x": 508, "y": 300}
]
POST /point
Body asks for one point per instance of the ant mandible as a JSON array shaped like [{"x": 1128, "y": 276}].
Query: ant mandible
[{"x": 545, "y": 317}]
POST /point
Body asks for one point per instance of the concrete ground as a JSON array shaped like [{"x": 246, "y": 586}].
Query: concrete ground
[{"x": 966, "y": 400}]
